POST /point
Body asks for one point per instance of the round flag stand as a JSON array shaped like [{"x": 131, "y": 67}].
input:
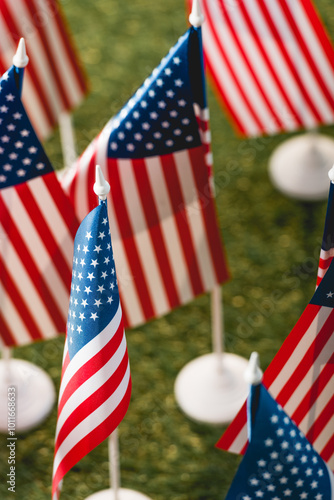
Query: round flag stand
[
  {"x": 211, "y": 389},
  {"x": 299, "y": 167},
  {"x": 34, "y": 395}
]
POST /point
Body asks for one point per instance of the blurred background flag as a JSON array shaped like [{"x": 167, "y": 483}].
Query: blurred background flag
[
  {"x": 272, "y": 64},
  {"x": 155, "y": 154},
  {"x": 37, "y": 228},
  {"x": 301, "y": 377},
  {"x": 279, "y": 461},
  {"x": 96, "y": 385},
  {"x": 55, "y": 81},
  {"x": 327, "y": 245}
]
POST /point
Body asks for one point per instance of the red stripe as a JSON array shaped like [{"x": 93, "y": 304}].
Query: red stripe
[
  {"x": 35, "y": 12},
  {"x": 274, "y": 71},
  {"x": 31, "y": 323},
  {"x": 181, "y": 218},
  {"x": 16, "y": 32},
  {"x": 38, "y": 280},
  {"x": 224, "y": 55},
  {"x": 233, "y": 429},
  {"x": 70, "y": 47},
  {"x": 218, "y": 259},
  {"x": 327, "y": 451},
  {"x": 275, "y": 117},
  {"x": 6, "y": 332},
  {"x": 154, "y": 229},
  {"x": 322, "y": 420},
  {"x": 92, "y": 366},
  {"x": 290, "y": 344},
  {"x": 44, "y": 225},
  {"x": 129, "y": 239},
  {"x": 302, "y": 45},
  {"x": 306, "y": 360},
  {"x": 91, "y": 440},
  {"x": 289, "y": 62},
  {"x": 320, "y": 29},
  {"x": 93, "y": 401}
]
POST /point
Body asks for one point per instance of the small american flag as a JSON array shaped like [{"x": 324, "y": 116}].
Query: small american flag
[
  {"x": 327, "y": 246},
  {"x": 96, "y": 385},
  {"x": 279, "y": 462},
  {"x": 37, "y": 228},
  {"x": 271, "y": 62},
  {"x": 301, "y": 377},
  {"x": 156, "y": 156},
  {"x": 54, "y": 80}
]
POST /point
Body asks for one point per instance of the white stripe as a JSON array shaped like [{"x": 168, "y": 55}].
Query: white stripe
[
  {"x": 326, "y": 254},
  {"x": 281, "y": 68},
  {"x": 37, "y": 248},
  {"x": 243, "y": 74},
  {"x": 28, "y": 292},
  {"x": 263, "y": 73},
  {"x": 141, "y": 238},
  {"x": 313, "y": 45},
  {"x": 169, "y": 230},
  {"x": 313, "y": 413},
  {"x": 62, "y": 61},
  {"x": 53, "y": 218},
  {"x": 222, "y": 74},
  {"x": 240, "y": 440},
  {"x": 302, "y": 347},
  {"x": 91, "y": 385},
  {"x": 13, "y": 319},
  {"x": 326, "y": 433},
  {"x": 130, "y": 300},
  {"x": 298, "y": 59},
  {"x": 331, "y": 478},
  {"x": 89, "y": 350},
  {"x": 19, "y": 12},
  {"x": 92, "y": 421},
  {"x": 194, "y": 216}
]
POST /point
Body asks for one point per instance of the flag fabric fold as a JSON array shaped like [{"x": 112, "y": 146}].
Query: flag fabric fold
[
  {"x": 271, "y": 62},
  {"x": 55, "y": 80},
  {"x": 301, "y": 377},
  {"x": 96, "y": 384},
  {"x": 156, "y": 156},
  {"x": 37, "y": 228},
  {"x": 279, "y": 461}
]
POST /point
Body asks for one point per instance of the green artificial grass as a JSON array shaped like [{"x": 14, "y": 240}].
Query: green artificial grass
[{"x": 272, "y": 243}]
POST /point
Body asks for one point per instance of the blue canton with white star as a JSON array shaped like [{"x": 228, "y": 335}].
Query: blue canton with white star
[
  {"x": 280, "y": 463},
  {"x": 94, "y": 296},
  {"x": 159, "y": 118},
  {"x": 21, "y": 154},
  {"x": 324, "y": 294}
]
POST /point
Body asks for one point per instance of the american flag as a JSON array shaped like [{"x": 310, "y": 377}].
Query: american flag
[
  {"x": 54, "y": 80},
  {"x": 301, "y": 377},
  {"x": 37, "y": 228},
  {"x": 279, "y": 462},
  {"x": 156, "y": 156},
  {"x": 271, "y": 62},
  {"x": 96, "y": 385},
  {"x": 327, "y": 245}
]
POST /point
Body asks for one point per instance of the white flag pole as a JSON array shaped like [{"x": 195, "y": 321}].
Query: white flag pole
[
  {"x": 101, "y": 189},
  {"x": 211, "y": 388},
  {"x": 67, "y": 138}
]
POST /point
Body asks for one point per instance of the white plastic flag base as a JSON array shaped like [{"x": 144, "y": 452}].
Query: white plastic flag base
[
  {"x": 34, "y": 395},
  {"x": 211, "y": 389},
  {"x": 299, "y": 167},
  {"x": 122, "y": 494}
]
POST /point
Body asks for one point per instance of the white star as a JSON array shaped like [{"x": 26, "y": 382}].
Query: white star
[
  {"x": 13, "y": 156},
  {"x": 82, "y": 316},
  {"x": 169, "y": 143},
  {"x": 299, "y": 483},
  {"x": 308, "y": 471},
  {"x": 17, "y": 116},
  {"x": 303, "y": 459},
  {"x": 104, "y": 274},
  {"x": 113, "y": 146},
  {"x": 79, "y": 329},
  {"x": 274, "y": 455},
  {"x": 269, "y": 442},
  {"x": 101, "y": 235},
  {"x": 294, "y": 470},
  {"x": 24, "y": 133},
  {"x": 271, "y": 487},
  {"x": 182, "y": 103},
  {"x": 109, "y": 300},
  {"x": 287, "y": 493},
  {"x": 165, "y": 124},
  {"x": 32, "y": 150},
  {"x": 259, "y": 493},
  {"x": 26, "y": 161},
  {"x": 97, "y": 302},
  {"x": 93, "y": 316},
  {"x": 40, "y": 166},
  {"x": 18, "y": 145},
  {"x": 94, "y": 263},
  {"x": 274, "y": 419},
  {"x": 11, "y": 127},
  {"x": 267, "y": 475},
  {"x": 278, "y": 468},
  {"x": 283, "y": 479},
  {"x": 161, "y": 104},
  {"x": 88, "y": 235},
  {"x": 189, "y": 138},
  {"x": 105, "y": 221},
  {"x": 80, "y": 276},
  {"x": 284, "y": 445},
  {"x": 320, "y": 472},
  {"x": 149, "y": 146},
  {"x": 7, "y": 167},
  {"x": 84, "y": 302},
  {"x": 314, "y": 484},
  {"x": 130, "y": 147},
  {"x": 82, "y": 262},
  {"x": 329, "y": 295},
  {"x": 10, "y": 97},
  {"x": 160, "y": 82},
  {"x": 3, "y": 109},
  {"x": 254, "y": 481},
  {"x": 3, "y": 178},
  {"x": 77, "y": 289},
  {"x": 261, "y": 463},
  {"x": 151, "y": 93},
  {"x": 154, "y": 115},
  {"x": 21, "y": 172},
  {"x": 318, "y": 496},
  {"x": 143, "y": 104},
  {"x": 5, "y": 138},
  {"x": 106, "y": 260},
  {"x": 98, "y": 249},
  {"x": 121, "y": 135},
  {"x": 157, "y": 135},
  {"x": 136, "y": 115},
  {"x": 101, "y": 288},
  {"x": 176, "y": 60},
  {"x": 170, "y": 94},
  {"x": 303, "y": 495},
  {"x": 87, "y": 290},
  {"x": 138, "y": 137},
  {"x": 146, "y": 126},
  {"x": 168, "y": 71}
]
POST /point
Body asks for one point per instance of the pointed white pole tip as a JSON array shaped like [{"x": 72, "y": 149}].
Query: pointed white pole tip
[
  {"x": 101, "y": 186},
  {"x": 253, "y": 373},
  {"x": 20, "y": 59},
  {"x": 196, "y": 17},
  {"x": 331, "y": 174}
]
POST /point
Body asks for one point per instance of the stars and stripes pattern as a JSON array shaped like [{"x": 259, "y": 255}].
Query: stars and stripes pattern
[
  {"x": 279, "y": 462},
  {"x": 271, "y": 62},
  {"x": 37, "y": 229},
  {"x": 301, "y": 377},
  {"x": 55, "y": 81},
  {"x": 327, "y": 245},
  {"x": 96, "y": 384},
  {"x": 156, "y": 156}
]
